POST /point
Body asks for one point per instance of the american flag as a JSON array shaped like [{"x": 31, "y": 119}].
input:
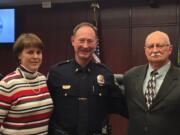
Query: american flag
[
  {"x": 96, "y": 22},
  {"x": 96, "y": 55}
]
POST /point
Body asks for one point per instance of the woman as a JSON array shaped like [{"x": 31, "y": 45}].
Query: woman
[{"x": 25, "y": 103}]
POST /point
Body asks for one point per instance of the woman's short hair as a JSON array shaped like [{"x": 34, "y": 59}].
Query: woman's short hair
[{"x": 27, "y": 40}]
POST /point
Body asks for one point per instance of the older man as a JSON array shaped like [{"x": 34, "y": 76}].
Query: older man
[{"x": 153, "y": 90}]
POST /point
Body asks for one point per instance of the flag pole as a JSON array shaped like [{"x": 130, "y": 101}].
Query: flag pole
[{"x": 96, "y": 12}]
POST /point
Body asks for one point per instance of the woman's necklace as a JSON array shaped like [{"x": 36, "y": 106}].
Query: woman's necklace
[{"x": 36, "y": 91}]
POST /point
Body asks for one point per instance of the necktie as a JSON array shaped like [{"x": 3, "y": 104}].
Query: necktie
[{"x": 150, "y": 92}]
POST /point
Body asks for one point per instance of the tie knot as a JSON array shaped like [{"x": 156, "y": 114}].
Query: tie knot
[{"x": 154, "y": 73}]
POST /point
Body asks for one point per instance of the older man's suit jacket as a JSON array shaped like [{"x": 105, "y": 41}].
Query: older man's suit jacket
[{"x": 163, "y": 117}]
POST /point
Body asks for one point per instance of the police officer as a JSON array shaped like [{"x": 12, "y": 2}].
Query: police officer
[{"x": 83, "y": 92}]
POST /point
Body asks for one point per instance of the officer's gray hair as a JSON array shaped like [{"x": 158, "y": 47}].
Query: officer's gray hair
[{"x": 82, "y": 25}]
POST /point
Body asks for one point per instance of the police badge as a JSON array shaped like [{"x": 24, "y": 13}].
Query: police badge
[{"x": 100, "y": 80}]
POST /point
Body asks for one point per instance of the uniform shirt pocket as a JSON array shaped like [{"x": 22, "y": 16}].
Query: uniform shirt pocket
[{"x": 99, "y": 91}]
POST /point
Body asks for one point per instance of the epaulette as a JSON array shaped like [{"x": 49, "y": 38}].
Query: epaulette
[{"x": 64, "y": 62}]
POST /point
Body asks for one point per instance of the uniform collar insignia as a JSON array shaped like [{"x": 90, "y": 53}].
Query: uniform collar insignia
[
  {"x": 77, "y": 69},
  {"x": 89, "y": 70}
]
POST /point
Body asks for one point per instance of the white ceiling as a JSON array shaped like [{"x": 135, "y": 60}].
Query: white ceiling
[{"x": 5, "y": 3}]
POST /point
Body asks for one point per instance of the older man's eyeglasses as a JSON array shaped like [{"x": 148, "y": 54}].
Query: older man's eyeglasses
[{"x": 158, "y": 46}]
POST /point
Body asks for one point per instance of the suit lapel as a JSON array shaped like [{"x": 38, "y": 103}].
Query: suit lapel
[
  {"x": 140, "y": 81},
  {"x": 167, "y": 85}
]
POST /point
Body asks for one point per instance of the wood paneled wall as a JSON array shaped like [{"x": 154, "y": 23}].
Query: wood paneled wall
[{"x": 124, "y": 26}]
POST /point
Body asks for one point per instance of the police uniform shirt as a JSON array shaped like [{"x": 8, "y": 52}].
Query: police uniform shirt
[{"x": 82, "y": 96}]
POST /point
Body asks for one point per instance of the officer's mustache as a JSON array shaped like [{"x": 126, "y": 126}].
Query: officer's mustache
[
  {"x": 88, "y": 50},
  {"x": 156, "y": 54}
]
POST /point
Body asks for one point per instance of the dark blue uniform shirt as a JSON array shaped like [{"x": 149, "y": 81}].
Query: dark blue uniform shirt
[{"x": 83, "y": 97}]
